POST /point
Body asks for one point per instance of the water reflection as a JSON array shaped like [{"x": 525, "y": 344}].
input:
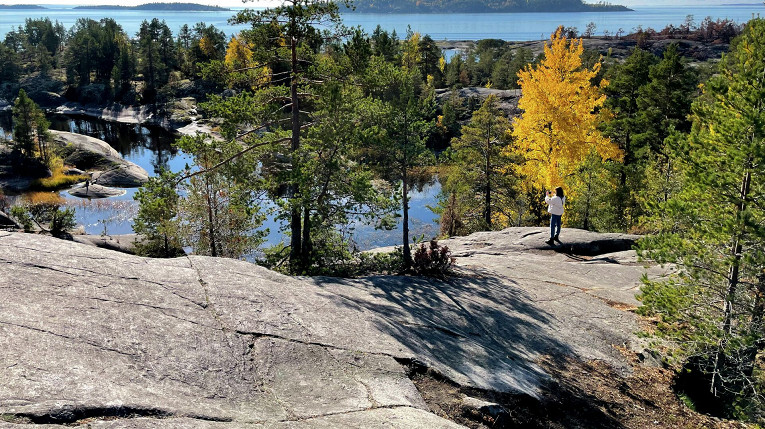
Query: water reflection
[
  {"x": 152, "y": 149},
  {"x": 149, "y": 147}
]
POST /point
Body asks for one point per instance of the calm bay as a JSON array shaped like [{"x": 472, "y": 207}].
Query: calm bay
[{"x": 459, "y": 26}]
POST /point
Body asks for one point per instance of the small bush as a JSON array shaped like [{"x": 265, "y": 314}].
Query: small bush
[
  {"x": 432, "y": 259},
  {"x": 381, "y": 263},
  {"x": 49, "y": 217}
]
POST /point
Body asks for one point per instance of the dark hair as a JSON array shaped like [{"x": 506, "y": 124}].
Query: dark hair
[{"x": 559, "y": 191}]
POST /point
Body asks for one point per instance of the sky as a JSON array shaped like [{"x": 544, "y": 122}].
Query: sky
[{"x": 238, "y": 3}]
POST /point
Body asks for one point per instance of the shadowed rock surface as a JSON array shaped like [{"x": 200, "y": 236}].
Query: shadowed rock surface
[
  {"x": 17, "y": 172},
  {"x": 6, "y": 221},
  {"x": 125, "y": 341}
]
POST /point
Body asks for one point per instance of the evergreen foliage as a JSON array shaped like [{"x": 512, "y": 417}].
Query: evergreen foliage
[
  {"x": 219, "y": 212},
  {"x": 479, "y": 182},
  {"x": 405, "y": 110},
  {"x": 712, "y": 309},
  {"x": 47, "y": 216},
  {"x": 156, "y": 220},
  {"x": 624, "y": 128},
  {"x": 30, "y": 129}
]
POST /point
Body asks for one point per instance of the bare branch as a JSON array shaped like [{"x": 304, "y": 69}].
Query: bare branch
[{"x": 231, "y": 158}]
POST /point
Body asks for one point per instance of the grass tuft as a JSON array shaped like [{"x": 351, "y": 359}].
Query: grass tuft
[{"x": 58, "y": 180}]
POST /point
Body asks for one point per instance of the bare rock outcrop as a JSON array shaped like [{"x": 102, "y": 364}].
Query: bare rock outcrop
[
  {"x": 106, "y": 165},
  {"x": 122, "y": 341}
]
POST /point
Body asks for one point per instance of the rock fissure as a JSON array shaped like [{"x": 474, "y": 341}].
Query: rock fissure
[
  {"x": 309, "y": 343},
  {"x": 343, "y": 413},
  {"x": 75, "y": 415},
  {"x": 72, "y": 339}
]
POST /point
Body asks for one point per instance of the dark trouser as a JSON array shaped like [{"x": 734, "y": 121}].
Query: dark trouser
[{"x": 555, "y": 222}]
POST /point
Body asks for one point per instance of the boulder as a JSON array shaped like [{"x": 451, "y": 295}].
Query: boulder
[
  {"x": 125, "y": 175},
  {"x": 86, "y": 152},
  {"x": 94, "y": 191},
  {"x": 478, "y": 407},
  {"x": 107, "y": 166},
  {"x": 74, "y": 172}
]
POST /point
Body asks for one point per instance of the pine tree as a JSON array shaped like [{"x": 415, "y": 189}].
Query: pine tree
[
  {"x": 155, "y": 55},
  {"x": 156, "y": 220},
  {"x": 625, "y": 83},
  {"x": 664, "y": 106},
  {"x": 404, "y": 110},
  {"x": 713, "y": 308},
  {"x": 30, "y": 128},
  {"x": 219, "y": 210},
  {"x": 478, "y": 171}
]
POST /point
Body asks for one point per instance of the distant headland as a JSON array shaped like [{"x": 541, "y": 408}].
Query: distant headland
[
  {"x": 20, "y": 6},
  {"x": 483, "y": 6},
  {"x": 176, "y": 7}
]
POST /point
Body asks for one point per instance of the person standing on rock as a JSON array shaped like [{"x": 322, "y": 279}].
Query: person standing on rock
[{"x": 555, "y": 205}]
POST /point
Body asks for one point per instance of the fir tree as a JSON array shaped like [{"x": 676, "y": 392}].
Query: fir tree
[{"x": 30, "y": 128}]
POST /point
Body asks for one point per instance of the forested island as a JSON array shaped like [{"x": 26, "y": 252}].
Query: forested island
[
  {"x": 176, "y": 7},
  {"x": 20, "y": 6},
  {"x": 483, "y": 6}
]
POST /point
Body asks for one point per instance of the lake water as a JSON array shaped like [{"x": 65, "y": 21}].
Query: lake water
[
  {"x": 462, "y": 26},
  {"x": 151, "y": 148}
]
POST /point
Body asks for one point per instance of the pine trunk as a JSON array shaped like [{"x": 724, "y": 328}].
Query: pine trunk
[
  {"x": 407, "y": 263},
  {"x": 296, "y": 242}
]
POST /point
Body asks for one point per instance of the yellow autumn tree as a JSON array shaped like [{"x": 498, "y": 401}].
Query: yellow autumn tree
[
  {"x": 238, "y": 53},
  {"x": 242, "y": 70},
  {"x": 558, "y": 127}
]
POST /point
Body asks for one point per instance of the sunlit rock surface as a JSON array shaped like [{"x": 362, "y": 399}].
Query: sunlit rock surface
[{"x": 124, "y": 341}]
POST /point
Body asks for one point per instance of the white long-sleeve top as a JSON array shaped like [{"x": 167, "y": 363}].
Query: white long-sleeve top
[{"x": 555, "y": 204}]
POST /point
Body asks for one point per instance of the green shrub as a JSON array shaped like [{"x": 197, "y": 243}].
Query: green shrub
[{"x": 49, "y": 217}]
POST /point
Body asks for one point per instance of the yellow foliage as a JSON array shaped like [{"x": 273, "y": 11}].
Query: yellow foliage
[
  {"x": 442, "y": 64},
  {"x": 57, "y": 179},
  {"x": 558, "y": 128},
  {"x": 206, "y": 46},
  {"x": 411, "y": 52},
  {"x": 238, "y": 53},
  {"x": 43, "y": 198}
]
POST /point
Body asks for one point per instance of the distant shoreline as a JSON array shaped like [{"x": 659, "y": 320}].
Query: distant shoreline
[
  {"x": 173, "y": 7},
  {"x": 21, "y": 7},
  {"x": 483, "y": 6},
  {"x": 443, "y": 12}
]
